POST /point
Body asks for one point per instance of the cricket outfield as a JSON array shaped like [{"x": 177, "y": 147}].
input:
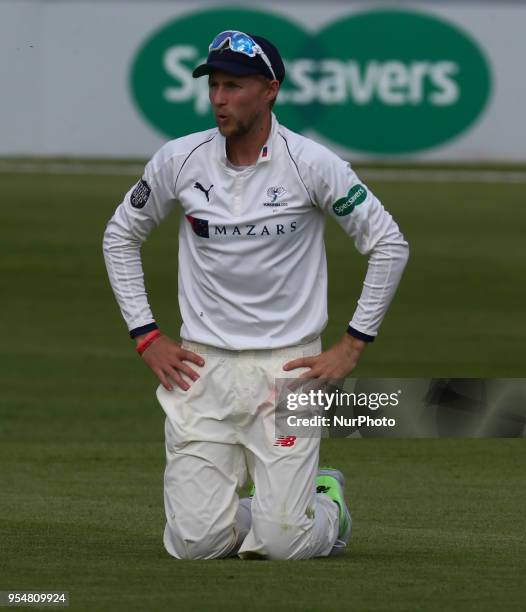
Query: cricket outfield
[{"x": 438, "y": 524}]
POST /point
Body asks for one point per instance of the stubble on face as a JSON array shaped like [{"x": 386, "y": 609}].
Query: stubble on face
[{"x": 240, "y": 128}]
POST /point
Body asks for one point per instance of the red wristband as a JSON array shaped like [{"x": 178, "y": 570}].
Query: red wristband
[{"x": 147, "y": 340}]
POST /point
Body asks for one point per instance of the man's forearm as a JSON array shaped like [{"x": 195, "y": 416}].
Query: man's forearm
[
  {"x": 384, "y": 271},
  {"x": 123, "y": 263}
]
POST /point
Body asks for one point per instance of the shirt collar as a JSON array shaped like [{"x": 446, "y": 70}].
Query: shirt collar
[{"x": 266, "y": 151}]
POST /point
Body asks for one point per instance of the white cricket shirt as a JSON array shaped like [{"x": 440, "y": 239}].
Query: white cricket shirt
[{"x": 252, "y": 267}]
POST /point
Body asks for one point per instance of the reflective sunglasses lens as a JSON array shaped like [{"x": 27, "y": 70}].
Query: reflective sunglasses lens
[
  {"x": 219, "y": 40},
  {"x": 242, "y": 44}
]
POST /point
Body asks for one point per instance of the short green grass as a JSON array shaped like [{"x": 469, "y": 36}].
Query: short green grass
[{"x": 439, "y": 525}]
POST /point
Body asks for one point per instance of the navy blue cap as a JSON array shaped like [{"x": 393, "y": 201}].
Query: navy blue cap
[{"x": 240, "y": 64}]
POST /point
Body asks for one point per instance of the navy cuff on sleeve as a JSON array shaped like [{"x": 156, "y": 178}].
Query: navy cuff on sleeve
[
  {"x": 358, "y": 334},
  {"x": 139, "y": 331}
]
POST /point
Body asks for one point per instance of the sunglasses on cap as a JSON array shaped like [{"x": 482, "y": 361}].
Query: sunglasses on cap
[{"x": 239, "y": 42}]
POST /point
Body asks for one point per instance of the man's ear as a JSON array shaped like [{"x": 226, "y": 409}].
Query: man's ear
[{"x": 273, "y": 89}]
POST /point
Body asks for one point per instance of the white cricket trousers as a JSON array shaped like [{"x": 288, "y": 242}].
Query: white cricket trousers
[{"x": 217, "y": 429}]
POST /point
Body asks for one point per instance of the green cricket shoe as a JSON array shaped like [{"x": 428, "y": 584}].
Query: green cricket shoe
[{"x": 330, "y": 482}]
